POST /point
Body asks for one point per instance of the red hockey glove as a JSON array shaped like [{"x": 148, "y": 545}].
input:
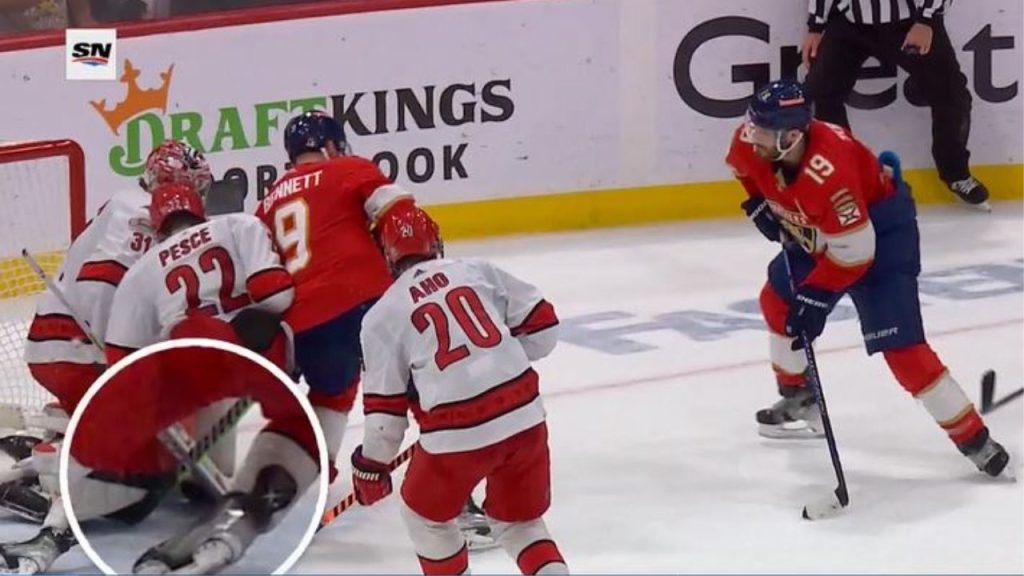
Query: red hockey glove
[{"x": 370, "y": 479}]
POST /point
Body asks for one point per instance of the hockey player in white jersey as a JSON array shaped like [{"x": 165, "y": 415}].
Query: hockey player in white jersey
[
  {"x": 453, "y": 340},
  {"x": 218, "y": 278},
  {"x": 60, "y": 356}
]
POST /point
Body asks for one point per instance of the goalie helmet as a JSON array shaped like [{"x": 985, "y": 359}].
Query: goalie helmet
[
  {"x": 174, "y": 161},
  {"x": 409, "y": 234},
  {"x": 311, "y": 131},
  {"x": 174, "y": 198}
]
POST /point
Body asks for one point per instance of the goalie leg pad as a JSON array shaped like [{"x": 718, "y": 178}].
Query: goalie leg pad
[{"x": 96, "y": 497}]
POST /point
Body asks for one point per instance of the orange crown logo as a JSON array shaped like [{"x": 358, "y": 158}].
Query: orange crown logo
[{"x": 136, "y": 100}]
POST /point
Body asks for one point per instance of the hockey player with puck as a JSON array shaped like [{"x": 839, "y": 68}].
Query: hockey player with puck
[{"x": 850, "y": 227}]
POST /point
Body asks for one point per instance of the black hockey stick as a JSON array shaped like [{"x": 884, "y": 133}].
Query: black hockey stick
[
  {"x": 988, "y": 393},
  {"x": 840, "y": 497}
]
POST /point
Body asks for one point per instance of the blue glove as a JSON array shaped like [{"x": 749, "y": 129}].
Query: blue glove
[
  {"x": 762, "y": 216},
  {"x": 807, "y": 314}
]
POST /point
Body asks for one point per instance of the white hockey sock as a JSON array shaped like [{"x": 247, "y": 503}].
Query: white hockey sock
[
  {"x": 438, "y": 545},
  {"x": 333, "y": 423},
  {"x": 530, "y": 545}
]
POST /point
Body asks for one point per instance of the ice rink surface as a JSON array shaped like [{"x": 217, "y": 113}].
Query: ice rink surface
[
  {"x": 656, "y": 463},
  {"x": 657, "y": 466}
]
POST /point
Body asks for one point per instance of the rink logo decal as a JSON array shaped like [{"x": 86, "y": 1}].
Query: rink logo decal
[
  {"x": 984, "y": 47},
  {"x": 616, "y": 332},
  {"x": 136, "y": 100},
  {"x": 141, "y": 120},
  {"x": 92, "y": 53}
]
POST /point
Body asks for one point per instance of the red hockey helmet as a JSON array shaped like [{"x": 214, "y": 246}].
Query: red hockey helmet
[
  {"x": 171, "y": 199},
  {"x": 175, "y": 161},
  {"x": 409, "y": 234}
]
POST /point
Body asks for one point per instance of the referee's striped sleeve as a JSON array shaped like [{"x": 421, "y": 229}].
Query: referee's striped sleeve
[
  {"x": 928, "y": 10},
  {"x": 818, "y": 14}
]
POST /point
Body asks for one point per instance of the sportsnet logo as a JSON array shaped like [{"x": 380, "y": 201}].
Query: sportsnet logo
[{"x": 91, "y": 54}]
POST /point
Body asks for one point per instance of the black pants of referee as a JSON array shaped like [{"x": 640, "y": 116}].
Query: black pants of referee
[{"x": 935, "y": 76}]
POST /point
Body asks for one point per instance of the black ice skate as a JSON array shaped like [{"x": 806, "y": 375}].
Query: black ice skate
[
  {"x": 18, "y": 446},
  {"x": 794, "y": 416},
  {"x": 25, "y": 498},
  {"x": 222, "y": 537},
  {"x": 35, "y": 555},
  {"x": 472, "y": 522},
  {"x": 988, "y": 455}
]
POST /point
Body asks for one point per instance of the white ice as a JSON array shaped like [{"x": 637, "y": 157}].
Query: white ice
[{"x": 656, "y": 464}]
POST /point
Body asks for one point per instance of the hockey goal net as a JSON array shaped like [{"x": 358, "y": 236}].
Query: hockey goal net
[{"x": 42, "y": 208}]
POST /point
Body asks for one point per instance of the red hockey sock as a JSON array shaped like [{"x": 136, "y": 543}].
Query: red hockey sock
[{"x": 920, "y": 372}]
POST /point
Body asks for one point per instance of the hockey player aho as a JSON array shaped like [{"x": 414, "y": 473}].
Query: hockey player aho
[
  {"x": 851, "y": 228},
  {"x": 453, "y": 341},
  {"x": 321, "y": 212}
]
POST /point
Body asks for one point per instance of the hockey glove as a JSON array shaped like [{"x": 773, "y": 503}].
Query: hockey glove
[
  {"x": 370, "y": 479},
  {"x": 807, "y": 313},
  {"x": 762, "y": 216}
]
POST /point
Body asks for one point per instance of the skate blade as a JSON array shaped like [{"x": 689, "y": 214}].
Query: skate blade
[
  {"x": 797, "y": 430},
  {"x": 982, "y": 207},
  {"x": 478, "y": 542}
]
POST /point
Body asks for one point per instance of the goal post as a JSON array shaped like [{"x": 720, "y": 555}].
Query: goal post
[{"x": 42, "y": 208}]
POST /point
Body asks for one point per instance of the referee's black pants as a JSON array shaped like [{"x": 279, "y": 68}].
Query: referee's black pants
[{"x": 936, "y": 77}]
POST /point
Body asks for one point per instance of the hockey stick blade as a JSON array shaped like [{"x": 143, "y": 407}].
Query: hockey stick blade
[
  {"x": 988, "y": 390},
  {"x": 826, "y": 507},
  {"x": 988, "y": 393}
]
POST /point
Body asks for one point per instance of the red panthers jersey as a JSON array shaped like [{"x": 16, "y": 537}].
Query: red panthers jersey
[
  {"x": 320, "y": 215},
  {"x": 824, "y": 204}
]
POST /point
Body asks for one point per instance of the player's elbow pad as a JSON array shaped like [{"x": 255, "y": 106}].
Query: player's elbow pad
[
  {"x": 383, "y": 436},
  {"x": 539, "y": 344},
  {"x": 271, "y": 290}
]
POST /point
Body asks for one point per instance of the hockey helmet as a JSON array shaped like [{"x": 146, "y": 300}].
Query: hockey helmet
[
  {"x": 174, "y": 198},
  {"x": 409, "y": 234},
  {"x": 311, "y": 131},
  {"x": 774, "y": 111},
  {"x": 175, "y": 161}
]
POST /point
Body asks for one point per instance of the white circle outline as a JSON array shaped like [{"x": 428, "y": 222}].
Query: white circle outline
[{"x": 307, "y": 408}]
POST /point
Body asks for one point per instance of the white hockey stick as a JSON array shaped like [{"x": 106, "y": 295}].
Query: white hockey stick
[{"x": 60, "y": 296}]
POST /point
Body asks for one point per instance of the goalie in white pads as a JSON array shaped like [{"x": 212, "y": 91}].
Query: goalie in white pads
[
  {"x": 60, "y": 356},
  {"x": 453, "y": 340}
]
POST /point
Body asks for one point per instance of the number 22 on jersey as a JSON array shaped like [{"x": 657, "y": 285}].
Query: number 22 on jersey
[
  {"x": 463, "y": 304},
  {"x": 211, "y": 259},
  {"x": 291, "y": 230}
]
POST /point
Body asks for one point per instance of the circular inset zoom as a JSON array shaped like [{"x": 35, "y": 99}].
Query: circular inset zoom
[{"x": 193, "y": 456}]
